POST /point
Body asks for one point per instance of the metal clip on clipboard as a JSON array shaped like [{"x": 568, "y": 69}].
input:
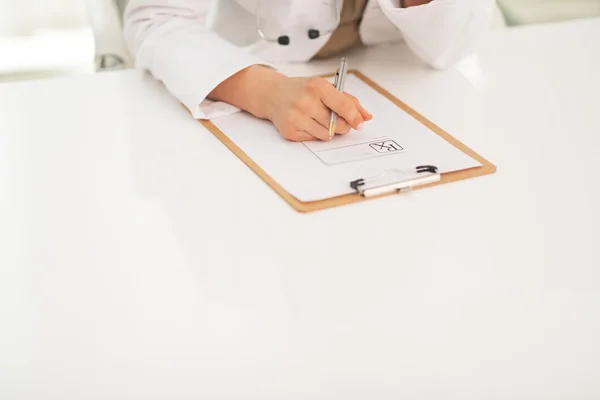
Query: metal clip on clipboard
[{"x": 394, "y": 180}]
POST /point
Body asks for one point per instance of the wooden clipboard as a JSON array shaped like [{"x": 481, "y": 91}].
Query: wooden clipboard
[{"x": 486, "y": 167}]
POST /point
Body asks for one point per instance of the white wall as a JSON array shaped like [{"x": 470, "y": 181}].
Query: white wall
[
  {"x": 519, "y": 12},
  {"x": 22, "y": 17},
  {"x": 41, "y": 38}
]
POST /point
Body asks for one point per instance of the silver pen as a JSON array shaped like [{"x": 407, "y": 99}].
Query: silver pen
[{"x": 340, "y": 80}]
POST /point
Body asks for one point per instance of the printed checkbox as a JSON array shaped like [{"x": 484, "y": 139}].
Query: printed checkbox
[{"x": 387, "y": 146}]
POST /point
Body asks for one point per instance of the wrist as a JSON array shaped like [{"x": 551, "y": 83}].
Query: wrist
[
  {"x": 261, "y": 85},
  {"x": 251, "y": 90}
]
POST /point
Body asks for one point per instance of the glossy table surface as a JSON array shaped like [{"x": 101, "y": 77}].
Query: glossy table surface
[{"x": 140, "y": 259}]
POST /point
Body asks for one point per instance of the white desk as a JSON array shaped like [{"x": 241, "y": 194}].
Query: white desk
[{"x": 141, "y": 260}]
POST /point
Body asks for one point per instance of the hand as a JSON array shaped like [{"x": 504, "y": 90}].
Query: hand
[{"x": 300, "y": 108}]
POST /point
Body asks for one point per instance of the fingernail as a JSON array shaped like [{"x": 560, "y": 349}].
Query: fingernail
[{"x": 360, "y": 126}]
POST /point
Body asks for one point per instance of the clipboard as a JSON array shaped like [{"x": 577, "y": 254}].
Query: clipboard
[{"x": 367, "y": 188}]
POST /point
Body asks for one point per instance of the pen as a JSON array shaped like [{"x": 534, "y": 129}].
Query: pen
[{"x": 340, "y": 79}]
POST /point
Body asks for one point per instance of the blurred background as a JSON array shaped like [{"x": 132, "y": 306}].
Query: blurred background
[{"x": 49, "y": 38}]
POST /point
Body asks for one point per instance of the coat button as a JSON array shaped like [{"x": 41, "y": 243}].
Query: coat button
[
  {"x": 314, "y": 33},
  {"x": 283, "y": 40}
]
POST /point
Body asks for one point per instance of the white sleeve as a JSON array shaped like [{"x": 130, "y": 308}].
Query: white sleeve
[
  {"x": 169, "y": 39},
  {"x": 441, "y": 32}
]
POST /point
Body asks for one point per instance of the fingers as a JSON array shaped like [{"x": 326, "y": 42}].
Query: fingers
[
  {"x": 322, "y": 115},
  {"x": 295, "y": 134},
  {"x": 299, "y": 127},
  {"x": 300, "y": 136},
  {"x": 341, "y": 128},
  {"x": 337, "y": 101},
  {"x": 343, "y": 106},
  {"x": 314, "y": 128},
  {"x": 367, "y": 116}
]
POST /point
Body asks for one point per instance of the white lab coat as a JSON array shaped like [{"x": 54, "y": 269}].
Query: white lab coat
[{"x": 193, "y": 45}]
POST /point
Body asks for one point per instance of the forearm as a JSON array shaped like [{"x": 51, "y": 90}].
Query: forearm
[
  {"x": 413, "y": 3},
  {"x": 249, "y": 89},
  {"x": 170, "y": 40}
]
